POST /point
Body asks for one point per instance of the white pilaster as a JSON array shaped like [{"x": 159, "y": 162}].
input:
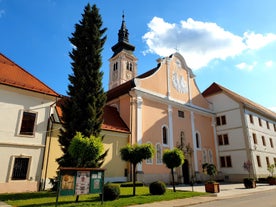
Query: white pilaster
[
  {"x": 170, "y": 127},
  {"x": 139, "y": 101},
  {"x": 194, "y": 141},
  {"x": 168, "y": 61}
]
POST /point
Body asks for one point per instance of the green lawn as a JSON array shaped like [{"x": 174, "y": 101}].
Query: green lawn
[{"x": 126, "y": 199}]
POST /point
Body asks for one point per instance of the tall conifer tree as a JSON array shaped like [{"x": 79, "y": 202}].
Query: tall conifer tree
[{"x": 83, "y": 109}]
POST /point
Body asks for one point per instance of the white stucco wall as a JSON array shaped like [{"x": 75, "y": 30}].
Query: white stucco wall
[{"x": 12, "y": 104}]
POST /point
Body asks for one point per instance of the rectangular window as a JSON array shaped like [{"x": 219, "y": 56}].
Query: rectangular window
[
  {"x": 267, "y": 161},
  {"x": 274, "y": 160},
  {"x": 221, "y": 120},
  {"x": 181, "y": 114},
  {"x": 28, "y": 123},
  {"x": 254, "y": 138},
  {"x": 267, "y": 125},
  {"x": 274, "y": 125},
  {"x": 271, "y": 142},
  {"x": 223, "y": 139},
  {"x": 228, "y": 161},
  {"x": 20, "y": 168},
  {"x": 222, "y": 162},
  {"x": 225, "y": 161},
  {"x": 260, "y": 121},
  {"x": 251, "y": 119},
  {"x": 259, "y": 161},
  {"x": 263, "y": 140},
  {"x": 218, "y": 121},
  {"x": 220, "y": 140}
]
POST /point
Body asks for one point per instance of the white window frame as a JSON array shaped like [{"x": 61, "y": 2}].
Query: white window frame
[
  {"x": 150, "y": 160},
  {"x": 12, "y": 168},
  {"x": 158, "y": 161},
  {"x": 21, "y": 121}
]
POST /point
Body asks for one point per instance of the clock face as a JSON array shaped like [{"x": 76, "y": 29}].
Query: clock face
[
  {"x": 179, "y": 83},
  {"x": 128, "y": 75}
]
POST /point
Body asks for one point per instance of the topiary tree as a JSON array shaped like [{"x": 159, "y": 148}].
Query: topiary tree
[
  {"x": 85, "y": 149},
  {"x": 173, "y": 158},
  {"x": 136, "y": 154}
]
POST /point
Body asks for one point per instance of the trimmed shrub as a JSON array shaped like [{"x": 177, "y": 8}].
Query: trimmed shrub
[
  {"x": 157, "y": 188},
  {"x": 111, "y": 192}
]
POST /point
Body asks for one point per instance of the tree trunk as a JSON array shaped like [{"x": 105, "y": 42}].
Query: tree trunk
[
  {"x": 134, "y": 179},
  {"x": 77, "y": 198},
  {"x": 173, "y": 179}
]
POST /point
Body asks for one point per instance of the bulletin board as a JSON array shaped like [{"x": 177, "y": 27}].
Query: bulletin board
[{"x": 79, "y": 181}]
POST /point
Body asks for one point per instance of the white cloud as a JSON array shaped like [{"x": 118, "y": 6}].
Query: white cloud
[
  {"x": 200, "y": 42},
  {"x": 269, "y": 63},
  {"x": 257, "y": 41},
  {"x": 246, "y": 66}
]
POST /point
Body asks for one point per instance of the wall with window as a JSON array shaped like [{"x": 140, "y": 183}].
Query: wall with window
[
  {"x": 262, "y": 138},
  {"x": 23, "y": 127}
]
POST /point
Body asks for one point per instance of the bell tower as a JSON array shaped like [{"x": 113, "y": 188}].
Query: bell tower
[{"x": 122, "y": 64}]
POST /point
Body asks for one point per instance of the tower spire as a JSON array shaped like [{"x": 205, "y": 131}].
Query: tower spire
[{"x": 123, "y": 40}]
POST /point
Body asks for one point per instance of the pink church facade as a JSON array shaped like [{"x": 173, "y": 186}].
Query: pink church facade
[{"x": 163, "y": 107}]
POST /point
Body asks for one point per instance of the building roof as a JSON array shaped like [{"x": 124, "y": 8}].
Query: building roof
[
  {"x": 127, "y": 86},
  {"x": 215, "y": 88},
  {"x": 13, "y": 75},
  {"x": 111, "y": 118}
]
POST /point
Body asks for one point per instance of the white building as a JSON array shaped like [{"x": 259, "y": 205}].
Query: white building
[
  {"x": 245, "y": 131},
  {"x": 25, "y": 107}
]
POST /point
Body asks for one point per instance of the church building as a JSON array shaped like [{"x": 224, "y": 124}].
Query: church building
[{"x": 163, "y": 107}]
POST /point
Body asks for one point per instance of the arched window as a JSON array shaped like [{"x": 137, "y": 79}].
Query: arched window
[
  {"x": 158, "y": 154},
  {"x": 115, "y": 66},
  {"x": 130, "y": 66},
  {"x": 204, "y": 156},
  {"x": 198, "y": 140},
  {"x": 165, "y": 135},
  {"x": 149, "y": 161},
  {"x": 210, "y": 153},
  {"x": 182, "y": 139}
]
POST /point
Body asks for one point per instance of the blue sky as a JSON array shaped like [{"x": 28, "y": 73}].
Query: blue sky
[{"x": 232, "y": 43}]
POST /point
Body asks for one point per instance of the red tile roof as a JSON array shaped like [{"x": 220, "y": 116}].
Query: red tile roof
[
  {"x": 113, "y": 121},
  {"x": 13, "y": 75},
  {"x": 111, "y": 118},
  {"x": 216, "y": 88},
  {"x": 127, "y": 86}
]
